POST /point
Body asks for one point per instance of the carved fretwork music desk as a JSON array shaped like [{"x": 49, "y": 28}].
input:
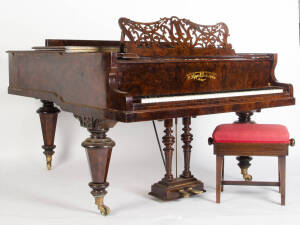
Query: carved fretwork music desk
[{"x": 167, "y": 69}]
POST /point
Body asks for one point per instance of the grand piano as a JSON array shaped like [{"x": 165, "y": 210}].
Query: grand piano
[{"x": 162, "y": 70}]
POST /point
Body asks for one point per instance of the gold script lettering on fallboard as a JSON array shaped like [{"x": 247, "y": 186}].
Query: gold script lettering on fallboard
[{"x": 201, "y": 75}]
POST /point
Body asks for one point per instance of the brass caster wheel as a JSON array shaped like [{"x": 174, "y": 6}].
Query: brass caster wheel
[
  {"x": 49, "y": 161},
  {"x": 246, "y": 176},
  {"x": 104, "y": 210}
]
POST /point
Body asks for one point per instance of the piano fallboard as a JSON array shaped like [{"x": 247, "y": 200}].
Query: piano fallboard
[{"x": 170, "y": 76}]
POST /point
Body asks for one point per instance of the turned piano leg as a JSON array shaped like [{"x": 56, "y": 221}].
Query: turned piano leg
[
  {"x": 168, "y": 141},
  {"x": 244, "y": 161},
  {"x": 48, "y": 116},
  {"x": 187, "y": 138},
  {"x": 98, "y": 149}
]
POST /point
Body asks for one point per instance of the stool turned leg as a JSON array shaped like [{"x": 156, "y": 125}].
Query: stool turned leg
[
  {"x": 219, "y": 162},
  {"x": 282, "y": 167},
  {"x": 279, "y": 174}
]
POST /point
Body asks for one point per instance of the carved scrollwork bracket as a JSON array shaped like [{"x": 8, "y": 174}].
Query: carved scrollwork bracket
[
  {"x": 89, "y": 122},
  {"x": 98, "y": 129}
]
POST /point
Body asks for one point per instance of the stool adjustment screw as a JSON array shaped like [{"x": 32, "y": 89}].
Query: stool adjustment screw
[
  {"x": 210, "y": 140},
  {"x": 292, "y": 142}
]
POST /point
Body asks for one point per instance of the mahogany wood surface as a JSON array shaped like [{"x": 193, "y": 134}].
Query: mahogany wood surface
[
  {"x": 48, "y": 117},
  {"x": 111, "y": 84},
  {"x": 250, "y": 183},
  {"x": 152, "y": 60},
  {"x": 98, "y": 148},
  {"x": 174, "y": 36},
  {"x": 251, "y": 149},
  {"x": 219, "y": 163},
  {"x": 282, "y": 172},
  {"x": 168, "y": 141},
  {"x": 186, "y": 138},
  {"x": 170, "y": 188},
  {"x": 244, "y": 160},
  {"x": 245, "y": 150}
]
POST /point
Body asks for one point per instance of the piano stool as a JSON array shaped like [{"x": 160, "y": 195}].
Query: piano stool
[{"x": 250, "y": 140}]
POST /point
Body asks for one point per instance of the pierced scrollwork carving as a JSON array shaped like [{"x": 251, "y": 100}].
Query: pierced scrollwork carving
[
  {"x": 94, "y": 123},
  {"x": 175, "y": 33}
]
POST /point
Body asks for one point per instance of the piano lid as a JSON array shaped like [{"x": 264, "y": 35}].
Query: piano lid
[{"x": 174, "y": 37}]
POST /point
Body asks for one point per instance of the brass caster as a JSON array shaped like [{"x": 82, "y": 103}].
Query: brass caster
[
  {"x": 184, "y": 193},
  {"x": 195, "y": 192},
  {"x": 246, "y": 176},
  {"x": 49, "y": 161},
  {"x": 104, "y": 210}
]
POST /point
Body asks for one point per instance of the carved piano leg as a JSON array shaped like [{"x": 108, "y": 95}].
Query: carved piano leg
[
  {"x": 187, "y": 138},
  {"x": 244, "y": 117},
  {"x": 168, "y": 141},
  {"x": 169, "y": 188},
  {"x": 98, "y": 148},
  {"x": 48, "y": 116},
  {"x": 244, "y": 161},
  {"x": 244, "y": 164}
]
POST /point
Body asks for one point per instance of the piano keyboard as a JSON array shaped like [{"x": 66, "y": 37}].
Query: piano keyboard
[{"x": 210, "y": 96}]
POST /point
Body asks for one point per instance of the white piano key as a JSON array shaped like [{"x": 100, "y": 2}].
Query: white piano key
[{"x": 210, "y": 96}]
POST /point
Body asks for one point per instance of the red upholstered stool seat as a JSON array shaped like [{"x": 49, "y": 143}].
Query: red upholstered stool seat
[
  {"x": 247, "y": 139},
  {"x": 251, "y": 133}
]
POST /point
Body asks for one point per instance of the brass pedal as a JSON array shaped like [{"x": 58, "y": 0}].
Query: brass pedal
[
  {"x": 184, "y": 193},
  {"x": 195, "y": 192}
]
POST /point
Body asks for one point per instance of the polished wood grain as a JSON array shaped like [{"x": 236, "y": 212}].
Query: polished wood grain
[
  {"x": 98, "y": 150},
  {"x": 174, "y": 36},
  {"x": 187, "y": 139},
  {"x": 279, "y": 150},
  {"x": 250, "y": 183},
  {"x": 48, "y": 117},
  {"x": 251, "y": 149},
  {"x": 103, "y": 88},
  {"x": 170, "y": 188},
  {"x": 244, "y": 160},
  {"x": 168, "y": 140},
  {"x": 219, "y": 163},
  {"x": 282, "y": 172},
  {"x": 106, "y": 93}
]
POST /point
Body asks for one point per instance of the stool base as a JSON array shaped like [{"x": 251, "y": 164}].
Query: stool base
[{"x": 220, "y": 178}]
